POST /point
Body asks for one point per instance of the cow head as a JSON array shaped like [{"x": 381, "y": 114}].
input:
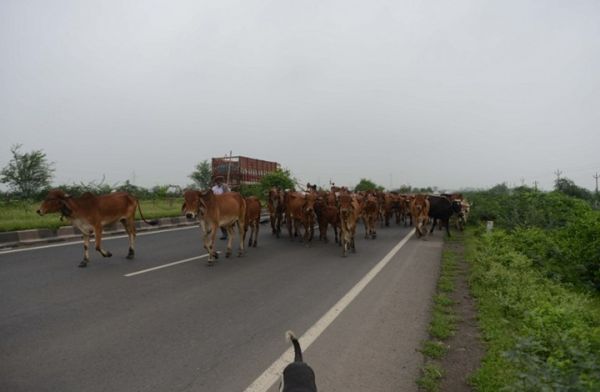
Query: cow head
[
  {"x": 275, "y": 197},
  {"x": 309, "y": 201},
  {"x": 191, "y": 203},
  {"x": 345, "y": 204},
  {"x": 456, "y": 206},
  {"x": 55, "y": 201}
]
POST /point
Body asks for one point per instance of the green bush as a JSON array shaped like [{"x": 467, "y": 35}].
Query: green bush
[
  {"x": 541, "y": 335},
  {"x": 524, "y": 207}
]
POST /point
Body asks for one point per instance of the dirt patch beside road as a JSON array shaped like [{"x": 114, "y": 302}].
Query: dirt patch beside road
[
  {"x": 455, "y": 349},
  {"x": 465, "y": 348}
]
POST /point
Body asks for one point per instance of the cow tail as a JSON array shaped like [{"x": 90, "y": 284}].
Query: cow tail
[{"x": 152, "y": 222}]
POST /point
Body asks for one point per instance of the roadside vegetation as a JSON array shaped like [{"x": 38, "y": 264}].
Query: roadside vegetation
[
  {"x": 536, "y": 278},
  {"x": 21, "y": 215},
  {"x": 442, "y": 325}
]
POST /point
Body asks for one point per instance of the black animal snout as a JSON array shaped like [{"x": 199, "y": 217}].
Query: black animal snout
[
  {"x": 39, "y": 212},
  {"x": 189, "y": 215}
]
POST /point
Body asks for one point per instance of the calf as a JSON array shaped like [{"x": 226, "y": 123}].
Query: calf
[
  {"x": 297, "y": 376},
  {"x": 89, "y": 213},
  {"x": 252, "y": 219},
  {"x": 419, "y": 209},
  {"x": 299, "y": 210},
  {"x": 276, "y": 206},
  {"x": 349, "y": 210},
  {"x": 326, "y": 215},
  {"x": 463, "y": 215},
  {"x": 225, "y": 210},
  {"x": 370, "y": 214}
]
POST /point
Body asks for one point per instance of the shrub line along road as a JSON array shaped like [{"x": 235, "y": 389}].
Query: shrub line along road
[{"x": 188, "y": 327}]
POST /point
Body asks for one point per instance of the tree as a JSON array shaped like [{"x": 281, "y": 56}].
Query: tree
[
  {"x": 202, "y": 176},
  {"x": 367, "y": 185},
  {"x": 568, "y": 187},
  {"x": 27, "y": 174},
  {"x": 278, "y": 178}
]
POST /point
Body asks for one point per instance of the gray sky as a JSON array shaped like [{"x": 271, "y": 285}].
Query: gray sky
[{"x": 448, "y": 93}]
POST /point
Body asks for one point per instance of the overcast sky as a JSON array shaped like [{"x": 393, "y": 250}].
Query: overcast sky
[{"x": 448, "y": 93}]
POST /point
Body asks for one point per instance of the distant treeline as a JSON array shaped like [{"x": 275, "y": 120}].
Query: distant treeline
[{"x": 156, "y": 192}]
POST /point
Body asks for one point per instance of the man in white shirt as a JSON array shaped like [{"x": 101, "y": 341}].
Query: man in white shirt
[{"x": 218, "y": 189}]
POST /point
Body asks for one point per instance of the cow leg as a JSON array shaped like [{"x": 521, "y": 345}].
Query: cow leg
[
  {"x": 251, "y": 225},
  {"x": 98, "y": 235},
  {"x": 129, "y": 225},
  {"x": 86, "y": 252},
  {"x": 335, "y": 233},
  {"x": 278, "y": 225},
  {"x": 257, "y": 224},
  {"x": 288, "y": 223},
  {"x": 447, "y": 224},
  {"x": 273, "y": 223},
  {"x": 432, "y": 225},
  {"x": 417, "y": 224},
  {"x": 230, "y": 239},
  {"x": 239, "y": 227},
  {"x": 209, "y": 241},
  {"x": 373, "y": 231}
]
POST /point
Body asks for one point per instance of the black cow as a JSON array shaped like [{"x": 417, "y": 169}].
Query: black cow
[{"x": 442, "y": 208}]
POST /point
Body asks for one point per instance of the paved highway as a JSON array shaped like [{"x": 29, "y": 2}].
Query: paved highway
[{"x": 128, "y": 325}]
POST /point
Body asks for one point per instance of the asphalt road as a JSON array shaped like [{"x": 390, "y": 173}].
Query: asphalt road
[{"x": 189, "y": 327}]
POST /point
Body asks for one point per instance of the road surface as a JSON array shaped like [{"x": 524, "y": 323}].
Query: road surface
[{"x": 167, "y": 322}]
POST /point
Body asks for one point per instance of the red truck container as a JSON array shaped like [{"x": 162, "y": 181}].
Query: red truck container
[{"x": 242, "y": 170}]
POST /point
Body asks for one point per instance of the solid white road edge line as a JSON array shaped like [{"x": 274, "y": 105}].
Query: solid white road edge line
[
  {"x": 92, "y": 240},
  {"x": 166, "y": 265},
  {"x": 270, "y": 376}
]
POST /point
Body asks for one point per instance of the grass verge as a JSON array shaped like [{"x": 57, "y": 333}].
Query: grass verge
[
  {"x": 442, "y": 326},
  {"x": 22, "y": 215}
]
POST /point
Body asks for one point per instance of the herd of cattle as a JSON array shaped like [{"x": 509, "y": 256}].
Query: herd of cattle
[{"x": 299, "y": 211}]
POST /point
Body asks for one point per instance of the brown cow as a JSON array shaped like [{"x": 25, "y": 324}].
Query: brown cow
[
  {"x": 276, "y": 206},
  {"x": 349, "y": 209},
  {"x": 370, "y": 214},
  {"x": 253, "y": 208},
  {"x": 326, "y": 215},
  {"x": 89, "y": 213},
  {"x": 387, "y": 207},
  {"x": 419, "y": 210},
  {"x": 225, "y": 210},
  {"x": 299, "y": 210}
]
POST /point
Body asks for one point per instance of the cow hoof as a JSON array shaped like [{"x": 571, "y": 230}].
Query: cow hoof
[
  {"x": 83, "y": 264},
  {"x": 254, "y": 244},
  {"x": 106, "y": 254},
  {"x": 228, "y": 254},
  {"x": 129, "y": 257},
  {"x": 215, "y": 256},
  {"x": 240, "y": 254}
]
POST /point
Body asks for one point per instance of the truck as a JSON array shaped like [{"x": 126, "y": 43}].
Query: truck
[{"x": 239, "y": 170}]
